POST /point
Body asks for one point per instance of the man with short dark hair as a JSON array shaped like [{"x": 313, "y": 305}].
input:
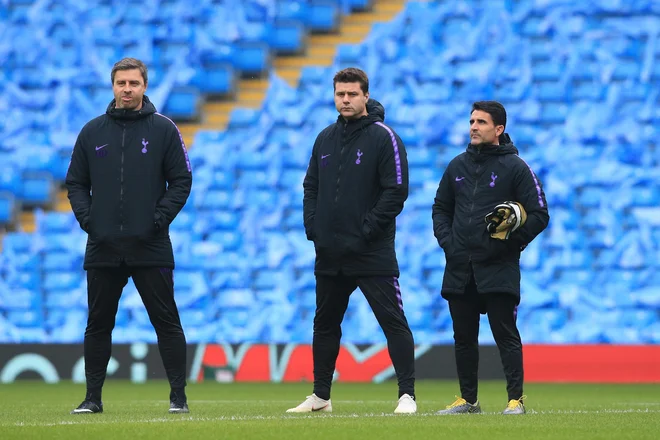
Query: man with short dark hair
[
  {"x": 355, "y": 186},
  {"x": 489, "y": 206},
  {"x": 128, "y": 178}
]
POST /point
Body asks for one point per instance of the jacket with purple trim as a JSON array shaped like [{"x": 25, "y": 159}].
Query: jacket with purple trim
[
  {"x": 355, "y": 187},
  {"x": 128, "y": 178},
  {"x": 472, "y": 185}
]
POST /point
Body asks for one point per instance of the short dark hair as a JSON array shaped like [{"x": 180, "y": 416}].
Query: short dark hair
[
  {"x": 494, "y": 109},
  {"x": 129, "y": 64},
  {"x": 352, "y": 74}
]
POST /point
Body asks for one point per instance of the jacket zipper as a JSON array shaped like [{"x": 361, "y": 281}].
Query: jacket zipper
[
  {"x": 474, "y": 194},
  {"x": 341, "y": 156},
  {"x": 121, "y": 182}
]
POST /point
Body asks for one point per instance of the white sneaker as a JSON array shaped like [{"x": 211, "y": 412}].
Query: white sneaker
[
  {"x": 407, "y": 405},
  {"x": 313, "y": 403}
]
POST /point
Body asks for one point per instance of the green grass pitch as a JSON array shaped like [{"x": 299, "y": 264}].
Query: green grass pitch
[{"x": 361, "y": 411}]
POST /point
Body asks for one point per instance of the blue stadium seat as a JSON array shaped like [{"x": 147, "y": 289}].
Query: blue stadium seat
[
  {"x": 17, "y": 242},
  {"x": 550, "y": 91},
  {"x": 244, "y": 117},
  {"x": 315, "y": 75},
  {"x": 56, "y": 222},
  {"x": 37, "y": 188},
  {"x": 216, "y": 199},
  {"x": 194, "y": 318},
  {"x": 288, "y": 37},
  {"x": 350, "y": 54},
  {"x": 183, "y": 103},
  {"x": 26, "y": 318},
  {"x": 225, "y": 220},
  {"x": 323, "y": 16},
  {"x": 10, "y": 179},
  {"x": 296, "y": 10},
  {"x": 185, "y": 220},
  {"x": 61, "y": 261},
  {"x": 235, "y": 298},
  {"x": 7, "y": 207},
  {"x": 587, "y": 90},
  {"x": 291, "y": 178},
  {"x": 57, "y": 298},
  {"x": 547, "y": 71},
  {"x": 215, "y": 79},
  {"x": 419, "y": 176},
  {"x": 62, "y": 280},
  {"x": 251, "y": 58},
  {"x": 229, "y": 240}
]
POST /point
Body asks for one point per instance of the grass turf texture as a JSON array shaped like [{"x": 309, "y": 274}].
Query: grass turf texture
[{"x": 361, "y": 411}]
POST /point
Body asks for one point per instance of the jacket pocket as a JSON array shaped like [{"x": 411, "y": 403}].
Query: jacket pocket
[
  {"x": 145, "y": 226},
  {"x": 447, "y": 245},
  {"x": 94, "y": 230}
]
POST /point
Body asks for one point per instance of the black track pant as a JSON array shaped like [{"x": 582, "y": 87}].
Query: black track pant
[
  {"x": 384, "y": 297},
  {"x": 156, "y": 287},
  {"x": 501, "y": 309}
]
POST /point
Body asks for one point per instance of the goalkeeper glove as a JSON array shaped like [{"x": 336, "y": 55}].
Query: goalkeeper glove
[{"x": 505, "y": 219}]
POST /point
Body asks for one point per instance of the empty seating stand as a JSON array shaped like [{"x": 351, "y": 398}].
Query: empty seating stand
[{"x": 583, "y": 118}]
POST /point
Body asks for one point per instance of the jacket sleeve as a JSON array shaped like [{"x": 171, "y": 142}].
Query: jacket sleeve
[
  {"x": 443, "y": 210},
  {"x": 529, "y": 193},
  {"x": 310, "y": 188},
  {"x": 393, "y": 172},
  {"x": 78, "y": 184},
  {"x": 178, "y": 174}
]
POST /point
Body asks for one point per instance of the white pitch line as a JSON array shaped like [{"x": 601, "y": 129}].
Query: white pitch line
[
  {"x": 97, "y": 419},
  {"x": 264, "y": 401},
  {"x": 638, "y": 403}
]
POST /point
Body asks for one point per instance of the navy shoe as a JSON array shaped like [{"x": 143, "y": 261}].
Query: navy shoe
[
  {"x": 88, "y": 407},
  {"x": 178, "y": 408}
]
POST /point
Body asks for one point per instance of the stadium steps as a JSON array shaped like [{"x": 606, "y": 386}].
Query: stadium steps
[
  {"x": 250, "y": 93},
  {"x": 61, "y": 201},
  {"x": 321, "y": 48},
  {"x": 26, "y": 221}
]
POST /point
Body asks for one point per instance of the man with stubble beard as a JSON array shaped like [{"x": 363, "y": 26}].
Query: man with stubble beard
[
  {"x": 128, "y": 178},
  {"x": 489, "y": 206},
  {"x": 355, "y": 187}
]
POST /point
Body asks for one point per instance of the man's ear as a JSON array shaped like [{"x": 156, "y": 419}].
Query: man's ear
[{"x": 499, "y": 130}]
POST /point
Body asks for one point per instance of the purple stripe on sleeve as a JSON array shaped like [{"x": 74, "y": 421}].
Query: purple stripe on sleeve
[
  {"x": 397, "y": 158},
  {"x": 536, "y": 182},
  {"x": 183, "y": 145}
]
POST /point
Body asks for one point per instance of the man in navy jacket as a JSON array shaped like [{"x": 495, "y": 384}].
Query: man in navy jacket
[
  {"x": 355, "y": 186},
  {"x": 128, "y": 178},
  {"x": 482, "y": 274}
]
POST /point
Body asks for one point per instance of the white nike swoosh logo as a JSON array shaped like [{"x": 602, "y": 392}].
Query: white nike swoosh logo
[
  {"x": 323, "y": 157},
  {"x": 102, "y": 146},
  {"x": 458, "y": 179}
]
